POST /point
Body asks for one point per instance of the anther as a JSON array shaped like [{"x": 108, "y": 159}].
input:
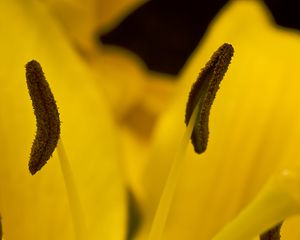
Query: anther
[
  {"x": 47, "y": 117},
  {"x": 272, "y": 234},
  {"x": 203, "y": 93}
]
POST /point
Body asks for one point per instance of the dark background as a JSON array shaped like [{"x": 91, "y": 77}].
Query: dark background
[{"x": 164, "y": 32}]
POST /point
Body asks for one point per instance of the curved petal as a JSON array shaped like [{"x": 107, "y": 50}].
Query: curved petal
[
  {"x": 37, "y": 206},
  {"x": 254, "y": 126}
]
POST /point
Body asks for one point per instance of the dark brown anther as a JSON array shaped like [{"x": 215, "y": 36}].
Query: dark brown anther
[
  {"x": 272, "y": 234},
  {"x": 47, "y": 117},
  {"x": 203, "y": 93}
]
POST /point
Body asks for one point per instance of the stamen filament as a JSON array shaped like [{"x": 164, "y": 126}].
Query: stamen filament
[
  {"x": 279, "y": 199},
  {"x": 198, "y": 107},
  {"x": 164, "y": 205},
  {"x": 73, "y": 197}
]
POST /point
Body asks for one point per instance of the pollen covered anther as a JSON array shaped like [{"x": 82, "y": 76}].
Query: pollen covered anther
[
  {"x": 203, "y": 93},
  {"x": 272, "y": 234},
  {"x": 47, "y": 117}
]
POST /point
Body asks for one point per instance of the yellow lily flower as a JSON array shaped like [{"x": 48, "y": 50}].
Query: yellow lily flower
[
  {"x": 253, "y": 127},
  {"x": 37, "y": 207}
]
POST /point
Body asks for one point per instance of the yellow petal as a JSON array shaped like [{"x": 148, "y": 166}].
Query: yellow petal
[
  {"x": 278, "y": 200},
  {"x": 37, "y": 206},
  {"x": 253, "y": 124}
]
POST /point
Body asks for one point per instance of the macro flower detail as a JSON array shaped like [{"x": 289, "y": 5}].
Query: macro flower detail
[
  {"x": 203, "y": 93},
  {"x": 47, "y": 117},
  {"x": 106, "y": 95}
]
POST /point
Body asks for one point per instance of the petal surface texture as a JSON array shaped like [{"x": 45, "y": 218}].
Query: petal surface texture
[
  {"x": 254, "y": 125},
  {"x": 38, "y": 206}
]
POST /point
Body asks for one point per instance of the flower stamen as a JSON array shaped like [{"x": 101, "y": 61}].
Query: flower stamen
[
  {"x": 47, "y": 138},
  {"x": 198, "y": 106},
  {"x": 203, "y": 93},
  {"x": 47, "y": 117}
]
